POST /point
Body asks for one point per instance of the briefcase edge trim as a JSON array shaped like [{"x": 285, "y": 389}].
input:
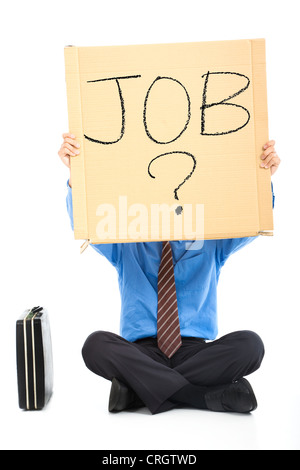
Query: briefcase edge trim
[
  {"x": 26, "y": 360},
  {"x": 33, "y": 359}
]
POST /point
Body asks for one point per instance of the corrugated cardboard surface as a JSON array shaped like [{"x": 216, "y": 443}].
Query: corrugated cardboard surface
[{"x": 166, "y": 110}]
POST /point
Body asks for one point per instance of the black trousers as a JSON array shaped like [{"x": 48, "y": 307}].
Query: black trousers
[{"x": 155, "y": 378}]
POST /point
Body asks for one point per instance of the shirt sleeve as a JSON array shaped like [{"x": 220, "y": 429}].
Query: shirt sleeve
[
  {"x": 273, "y": 195},
  {"x": 226, "y": 247},
  {"x": 69, "y": 202},
  {"x": 111, "y": 251}
]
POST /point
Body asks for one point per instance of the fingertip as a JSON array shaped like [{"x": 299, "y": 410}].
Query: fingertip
[{"x": 269, "y": 144}]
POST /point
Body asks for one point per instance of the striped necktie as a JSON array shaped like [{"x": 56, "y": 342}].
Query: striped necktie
[{"x": 168, "y": 329}]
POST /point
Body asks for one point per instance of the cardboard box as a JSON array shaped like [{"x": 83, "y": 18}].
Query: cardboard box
[{"x": 171, "y": 137}]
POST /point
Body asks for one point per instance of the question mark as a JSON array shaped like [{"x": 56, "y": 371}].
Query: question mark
[{"x": 178, "y": 209}]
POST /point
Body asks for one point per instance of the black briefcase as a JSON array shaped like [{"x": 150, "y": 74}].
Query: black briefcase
[{"x": 34, "y": 359}]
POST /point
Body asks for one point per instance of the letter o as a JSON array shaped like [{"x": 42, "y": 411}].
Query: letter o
[{"x": 145, "y": 111}]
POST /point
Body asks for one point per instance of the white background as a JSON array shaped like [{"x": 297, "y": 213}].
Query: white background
[{"x": 40, "y": 261}]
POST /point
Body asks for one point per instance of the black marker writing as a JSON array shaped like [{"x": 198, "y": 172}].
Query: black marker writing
[
  {"x": 122, "y": 108},
  {"x": 113, "y": 78},
  {"x": 145, "y": 111},
  {"x": 205, "y": 106},
  {"x": 185, "y": 179}
]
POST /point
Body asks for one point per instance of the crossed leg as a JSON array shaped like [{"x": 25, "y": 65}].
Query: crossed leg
[{"x": 155, "y": 378}]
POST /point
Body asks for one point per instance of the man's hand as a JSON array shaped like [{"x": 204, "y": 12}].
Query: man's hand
[
  {"x": 270, "y": 157},
  {"x": 68, "y": 149}
]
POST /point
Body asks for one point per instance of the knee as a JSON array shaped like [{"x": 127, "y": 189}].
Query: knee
[
  {"x": 251, "y": 347},
  {"x": 95, "y": 346}
]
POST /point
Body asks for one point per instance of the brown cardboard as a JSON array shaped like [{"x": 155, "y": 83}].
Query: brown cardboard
[{"x": 153, "y": 118}]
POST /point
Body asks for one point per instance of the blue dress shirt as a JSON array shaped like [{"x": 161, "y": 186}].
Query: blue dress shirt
[{"x": 196, "y": 272}]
